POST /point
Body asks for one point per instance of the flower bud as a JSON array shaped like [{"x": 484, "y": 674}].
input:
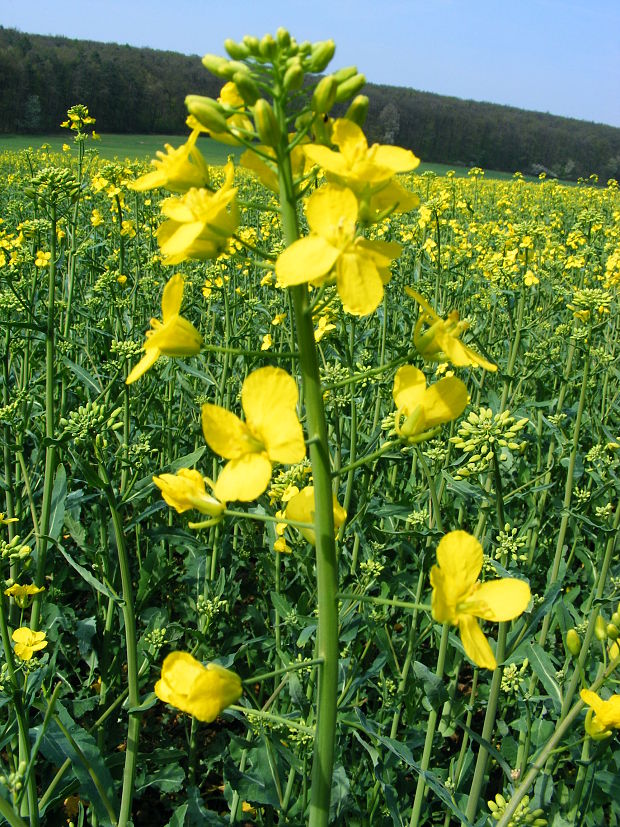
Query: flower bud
[
  {"x": 358, "y": 110},
  {"x": 600, "y": 628},
  {"x": 215, "y": 64},
  {"x": 207, "y": 111},
  {"x": 283, "y": 37},
  {"x": 246, "y": 87},
  {"x": 350, "y": 88},
  {"x": 573, "y": 642},
  {"x": 293, "y": 77},
  {"x": 322, "y": 52},
  {"x": 324, "y": 95},
  {"x": 236, "y": 50},
  {"x": 615, "y": 618},
  {"x": 252, "y": 43},
  {"x": 612, "y": 631},
  {"x": 268, "y": 46},
  {"x": 344, "y": 74},
  {"x": 266, "y": 123}
]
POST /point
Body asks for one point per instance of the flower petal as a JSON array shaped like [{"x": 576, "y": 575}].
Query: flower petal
[
  {"x": 500, "y": 600},
  {"x": 172, "y": 297},
  {"x": 225, "y": 433},
  {"x": 243, "y": 479},
  {"x": 409, "y": 388},
  {"x": 475, "y": 643},
  {"x": 444, "y": 401},
  {"x": 308, "y": 259},
  {"x": 332, "y": 212},
  {"x": 151, "y": 355},
  {"x": 269, "y": 399},
  {"x": 359, "y": 284},
  {"x": 460, "y": 556}
]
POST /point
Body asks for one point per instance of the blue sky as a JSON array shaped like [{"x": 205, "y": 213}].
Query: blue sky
[{"x": 558, "y": 56}]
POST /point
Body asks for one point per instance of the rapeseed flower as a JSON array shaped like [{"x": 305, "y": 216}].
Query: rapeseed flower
[
  {"x": 300, "y": 508},
  {"x": 421, "y": 408},
  {"x": 28, "y": 642},
  {"x": 361, "y": 267},
  {"x": 174, "y": 336},
  {"x": 176, "y": 169},
  {"x": 186, "y": 490},
  {"x": 458, "y": 598},
  {"x": 201, "y": 691},
  {"x": 199, "y": 222},
  {"x": 23, "y": 595},
  {"x": 441, "y": 341},
  {"x": 270, "y": 433},
  {"x": 603, "y": 716}
]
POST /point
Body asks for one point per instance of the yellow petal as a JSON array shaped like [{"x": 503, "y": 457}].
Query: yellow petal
[
  {"x": 172, "y": 297},
  {"x": 382, "y": 253},
  {"x": 269, "y": 399},
  {"x": 243, "y": 479},
  {"x": 301, "y": 509},
  {"x": 475, "y": 643},
  {"x": 409, "y": 388},
  {"x": 327, "y": 159},
  {"x": 359, "y": 284},
  {"x": 308, "y": 259},
  {"x": 174, "y": 238},
  {"x": 395, "y": 158},
  {"x": 500, "y": 600},
  {"x": 176, "y": 337},
  {"x": 226, "y": 434},
  {"x": 460, "y": 354},
  {"x": 332, "y": 212},
  {"x": 443, "y": 603},
  {"x": 214, "y": 690},
  {"x": 444, "y": 401},
  {"x": 460, "y": 556},
  {"x": 151, "y": 355}
]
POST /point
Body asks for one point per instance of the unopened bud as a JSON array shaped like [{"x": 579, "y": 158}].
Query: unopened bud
[
  {"x": 252, "y": 43},
  {"x": 215, "y": 64},
  {"x": 283, "y": 37},
  {"x": 615, "y": 618},
  {"x": 350, "y": 88},
  {"x": 246, "y": 87},
  {"x": 612, "y": 631},
  {"x": 322, "y": 52},
  {"x": 266, "y": 123},
  {"x": 268, "y": 46},
  {"x": 236, "y": 50},
  {"x": 600, "y": 628},
  {"x": 573, "y": 642},
  {"x": 324, "y": 95},
  {"x": 293, "y": 77},
  {"x": 207, "y": 111},
  {"x": 358, "y": 110}
]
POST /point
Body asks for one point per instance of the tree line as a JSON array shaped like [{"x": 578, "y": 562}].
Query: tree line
[{"x": 142, "y": 91}]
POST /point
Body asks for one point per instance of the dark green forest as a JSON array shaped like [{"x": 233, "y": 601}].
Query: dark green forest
[{"x": 131, "y": 90}]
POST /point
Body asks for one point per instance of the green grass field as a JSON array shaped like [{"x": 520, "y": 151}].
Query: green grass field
[{"x": 145, "y": 146}]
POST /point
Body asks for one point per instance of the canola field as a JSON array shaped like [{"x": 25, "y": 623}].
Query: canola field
[{"x": 337, "y": 540}]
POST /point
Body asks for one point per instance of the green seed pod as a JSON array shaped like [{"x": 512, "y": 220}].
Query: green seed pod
[
  {"x": 350, "y": 88},
  {"x": 324, "y": 95},
  {"x": 246, "y": 87},
  {"x": 236, "y": 50},
  {"x": 322, "y": 52},
  {"x": 344, "y": 74},
  {"x": 215, "y": 64},
  {"x": 612, "y": 631},
  {"x": 207, "y": 111},
  {"x": 600, "y": 628},
  {"x": 573, "y": 642},
  {"x": 268, "y": 46},
  {"x": 266, "y": 123},
  {"x": 358, "y": 110},
  {"x": 293, "y": 77}
]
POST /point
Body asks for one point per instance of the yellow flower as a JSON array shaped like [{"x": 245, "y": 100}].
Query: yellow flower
[
  {"x": 267, "y": 342},
  {"x": 362, "y": 267},
  {"x": 458, "y": 598},
  {"x": 201, "y": 691},
  {"x": 42, "y": 259},
  {"x": 441, "y": 341},
  {"x": 368, "y": 171},
  {"x": 424, "y": 408},
  {"x": 271, "y": 433},
  {"x": 529, "y": 279},
  {"x": 323, "y": 327},
  {"x": 6, "y": 520},
  {"x": 176, "y": 169},
  {"x": 22, "y": 594},
  {"x": 301, "y": 509},
  {"x": 96, "y": 218},
  {"x": 199, "y": 222},
  {"x": 175, "y": 336},
  {"x": 603, "y": 717},
  {"x": 28, "y": 642},
  {"x": 187, "y": 489}
]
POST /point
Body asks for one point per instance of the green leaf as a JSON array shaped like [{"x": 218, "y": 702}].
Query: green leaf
[
  {"x": 434, "y": 689},
  {"x": 544, "y": 669},
  {"x": 339, "y": 792},
  {"x": 168, "y": 778},
  {"x": 87, "y": 576},
  {"x": 178, "y": 817},
  {"x": 59, "y": 495},
  {"x": 84, "y": 375}
]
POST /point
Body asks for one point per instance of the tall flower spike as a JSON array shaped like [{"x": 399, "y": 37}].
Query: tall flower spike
[
  {"x": 362, "y": 267},
  {"x": 458, "y": 598},
  {"x": 201, "y": 691},
  {"x": 271, "y": 433},
  {"x": 420, "y": 409},
  {"x": 441, "y": 341},
  {"x": 173, "y": 336}
]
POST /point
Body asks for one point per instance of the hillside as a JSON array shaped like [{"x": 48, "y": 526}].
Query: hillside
[{"x": 131, "y": 90}]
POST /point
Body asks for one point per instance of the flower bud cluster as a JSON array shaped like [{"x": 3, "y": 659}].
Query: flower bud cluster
[
  {"x": 482, "y": 434},
  {"x": 211, "y": 607},
  {"x": 89, "y": 420},
  {"x": 522, "y": 815},
  {"x": 14, "y": 781},
  {"x": 15, "y": 550},
  {"x": 510, "y": 544},
  {"x": 52, "y": 184}
]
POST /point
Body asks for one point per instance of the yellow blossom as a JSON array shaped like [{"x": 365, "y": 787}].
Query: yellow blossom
[
  {"x": 267, "y": 342},
  {"x": 270, "y": 433},
  {"x": 419, "y": 408},
  {"x": 187, "y": 489},
  {"x": 441, "y": 341},
  {"x": 42, "y": 259},
  {"x": 28, "y": 642},
  {"x": 6, "y": 520},
  {"x": 301, "y": 509},
  {"x": 174, "y": 336},
  {"x": 201, "y": 691},
  {"x": 361, "y": 267},
  {"x": 199, "y": 222},
  {"x": 529, "y": 279},
  {"x": 323, "y": 327},
  {"x": 458, "y": 598},
  {"x": 23, "y": 595},
  {"x": 603, "y": 716},
  {"x": 176, "y": 169}
]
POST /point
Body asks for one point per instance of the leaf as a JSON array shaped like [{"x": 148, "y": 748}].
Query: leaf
[
  {"x": 167, "y": 778},
  {"x": 59, "y": 495},
  {"x": 434, "y": 689},
  {"x": 76, "y": 530},
  {"x": 87, "y": 576},
  {"x": 57, "y": 748},
  {"x": 178, "y": 817},
  {"x": 84, "y": 375},
  {"x": 339, "y": 792},
  {"x": 198, "y": 815},
  {"x": 543, "y": 668}
]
